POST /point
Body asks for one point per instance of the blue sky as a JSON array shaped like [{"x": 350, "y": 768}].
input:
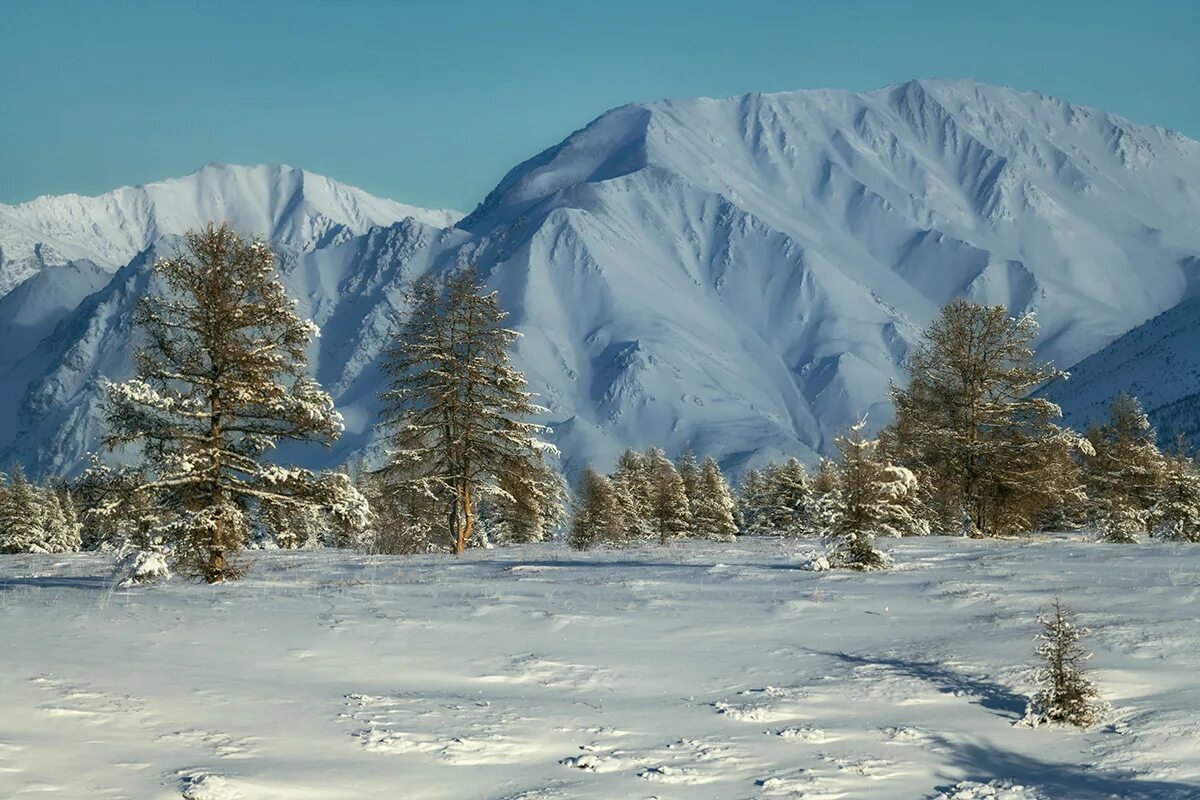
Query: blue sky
[{"x": 430, "y": 103}]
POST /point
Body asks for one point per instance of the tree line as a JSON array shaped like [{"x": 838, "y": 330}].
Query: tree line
[{"x": 222, "y": 379}]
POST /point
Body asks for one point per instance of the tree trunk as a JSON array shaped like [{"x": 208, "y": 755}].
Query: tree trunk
[{"x": 464, "y": 533}]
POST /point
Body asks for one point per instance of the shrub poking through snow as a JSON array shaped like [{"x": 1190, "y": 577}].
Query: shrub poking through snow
[
  {"x": 140, "y": 567},
  {"x": 1066, "y": 695}
]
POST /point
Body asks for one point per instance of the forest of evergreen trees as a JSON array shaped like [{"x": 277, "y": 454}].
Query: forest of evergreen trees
[{"x": 222, "y": 378}]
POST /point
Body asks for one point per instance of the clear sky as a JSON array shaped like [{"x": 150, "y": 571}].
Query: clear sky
[{"x": 431, "y": 103}]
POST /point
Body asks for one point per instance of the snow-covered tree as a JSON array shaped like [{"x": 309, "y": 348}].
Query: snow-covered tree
[
  {"x": 751, "y": 502},
  {"x": 1124, "y": 472},
  {"x": 864, "y": 505},
  {"x": 634, "y": 487},
  {"x": 713, "y": 507},
  {"x": 525, "y": 506},
  {"x": 1066, "y": 694},
  {"x": 903, "y": 513},
  {"x": 670, "y": 516},
  {"x": 826, "y": 489},
  {"x": 221, "y": 379},
  {"x": 22, "y": 516},
  {"x": 62, "y": 528},
  {"x": 405, "y": 519},
  {"x": 456, "y": 412},
  {"x": 968, "y": 424},
  {"x": 689, "y": 472},
  {"x": 597, "y": 515},
  {"x": 117, "y": 514},
  {"x": 1176, "y": 514},
  {"x": 788, "y": 499}
]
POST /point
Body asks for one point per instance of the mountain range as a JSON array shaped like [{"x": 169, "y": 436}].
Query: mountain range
[{"x": 741, "y": 275}]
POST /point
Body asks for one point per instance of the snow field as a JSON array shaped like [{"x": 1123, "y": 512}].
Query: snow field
[{"x": 695, "y": 671}]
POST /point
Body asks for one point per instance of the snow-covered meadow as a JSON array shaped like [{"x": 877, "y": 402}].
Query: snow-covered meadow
[{"x": 694, "y": 671}]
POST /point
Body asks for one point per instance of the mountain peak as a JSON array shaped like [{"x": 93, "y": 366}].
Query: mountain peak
[{"x": 276, "y": 201}]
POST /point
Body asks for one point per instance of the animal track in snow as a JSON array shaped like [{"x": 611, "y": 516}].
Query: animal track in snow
[
  {"x": 769, "y": 704},
  {"x": 684, "y": 761},
  {"x": 454, "y": 729},
  {"x": 531, "y": 668},
  {"x": 221, "y": 745},
  {"x": 85, "y": 704},
  {"x": 806, "y": 733}
]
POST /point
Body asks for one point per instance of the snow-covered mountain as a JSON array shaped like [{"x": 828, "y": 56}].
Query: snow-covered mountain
[
  {"x": 281, "y": 203},
  {"x": 1158, "y": 362},
  {"x": 743, "y": 275}
]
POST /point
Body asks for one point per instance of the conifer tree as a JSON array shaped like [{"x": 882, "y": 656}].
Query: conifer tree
[
  {"x": 221, "y": 379},
  {"x": 1125, "y": 472},
  {"x": 713, "y": 507},
  {"x": 70, "y": 535},
  {"x": 526, "y": 506},
  {"x": 1176, "y": 514},
  {"x": 597, "y": 516},
  {"x": 670, "y": 516},
  {"x": 117, "y": 513},
  {"x": 632, "y": 482},
  {"x": 22, "y": 516},
  {"x": 863, "y": 505},
  {"x": 1066, "y": 694},
  {"x": 689, "y": 472},
  {"x": 456, "y": 412},
  {"x": 967, "y": 423},
  {"x": 904, "y": 512},
  {"x": 751, "y": 502},
  {"x": 405, "y": 519},
  {"x": 788, "y": 499},
  {"x": 826, "y": 490}
]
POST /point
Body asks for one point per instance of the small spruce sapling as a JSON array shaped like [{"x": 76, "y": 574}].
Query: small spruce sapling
[{"x": 1066, "y": 695}]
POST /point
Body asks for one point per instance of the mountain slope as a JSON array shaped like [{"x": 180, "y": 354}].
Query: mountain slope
[
  {"x": 743, "y": 275},
  {"x": 1158, "y": 362},
  {"x": 281, "y": 203}
]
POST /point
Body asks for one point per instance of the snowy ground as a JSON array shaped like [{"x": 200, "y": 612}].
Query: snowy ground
[{"x": 699, "y": 671}]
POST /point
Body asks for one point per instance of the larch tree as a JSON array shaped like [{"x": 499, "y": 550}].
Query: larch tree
[
  {"x": 1124, "y": 472},
  {"x": 863, "y": 505},
  {"x": 221, "y": 379},
  {"x": 634, "y": 486},
  {"x": 968, "y": 424},
  {"x": 826, "y": 490},
  {"x": 689, "y": 472},
  {"x": 670, "y": 515},
  {"x": 526, "y": 505},
  {"x": 751, "y": 502},
  {"x": 22, "y": 516},
  {"x": 1176, "y": 513},
  {"x": 713, "y": 506},
  {"x": 788, "y": 499},
  {"x": 597, "y": 515},
  {"x": 456, "y": 413}
]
